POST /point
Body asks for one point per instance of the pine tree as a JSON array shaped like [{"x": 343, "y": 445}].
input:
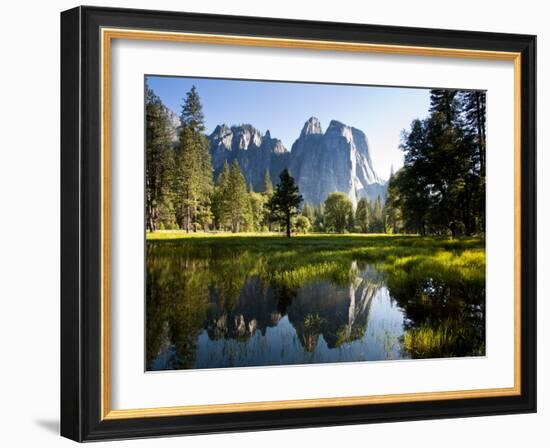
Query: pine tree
[
  {"x": 394, "y": 204},
  {"x": 192, "y": 115},
  {"x": 206, "y": 187},
  {"x": 351, "y": 221},
  {"x": 221, "y": 202},
  {"x": 309, "y": 212},
  {"x": 378, "y": 225},
  {"x": 444, "y": 102},
  {"x": 267, "y": 192},
  {"x": 194, "y": 167},
  {"x": 268, "y": 185},
  {"x": 411, "y": 184},
  {"x": 319, "y": 220},
  {"x": 362, "y": 215},
  {"x": 391, "y": 216},
  {"x": 474, "y": 107},
  {"x": 285, "y": 201},
  {"x": 237, "y": 195},
  {"x": 159, "y": 163},
  {"x": 441, "y": 187},
  {"x": 257, "y": 210}
]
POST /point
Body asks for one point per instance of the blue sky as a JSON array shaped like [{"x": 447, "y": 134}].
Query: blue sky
[{"x": 283, "y": 108}]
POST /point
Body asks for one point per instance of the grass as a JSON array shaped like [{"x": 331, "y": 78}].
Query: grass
[
  {"x": 305, "y": 257},
  {"x": 371, "y": 246},
  {"x": 438, "y": 282},
  {"x": 430, "y": 341},
  {"x": 443, "y": 339}
]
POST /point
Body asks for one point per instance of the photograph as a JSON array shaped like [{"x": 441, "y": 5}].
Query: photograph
[
  {"x": 291, "y": 223},
  {"x": 273, "y": 223}
]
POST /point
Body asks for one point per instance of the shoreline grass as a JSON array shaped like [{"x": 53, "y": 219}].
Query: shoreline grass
[
  {"x": 402, "y": 250},
  {"x": 437, "y": 281},
  {"x": 327, "y": 256}
]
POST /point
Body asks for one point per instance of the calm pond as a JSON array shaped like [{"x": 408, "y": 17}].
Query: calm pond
[{"x": 210, "y": 306}]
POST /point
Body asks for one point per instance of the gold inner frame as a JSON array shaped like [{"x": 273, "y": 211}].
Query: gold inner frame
[{"x": 107, "y": 35}]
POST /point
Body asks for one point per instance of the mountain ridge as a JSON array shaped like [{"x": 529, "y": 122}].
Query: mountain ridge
[{"x": 337, "y": 160}]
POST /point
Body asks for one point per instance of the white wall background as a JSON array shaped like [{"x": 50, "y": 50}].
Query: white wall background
[{"x": 29, "y": 220}]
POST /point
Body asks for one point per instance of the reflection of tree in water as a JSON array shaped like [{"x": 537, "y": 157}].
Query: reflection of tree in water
[
  {"x": 177, "y": 297},
  {"x": 445, "y": 313},
  {"x": 186, "y": 290},
  {"x": 226, "y": 295},
  {"x": 311, "y": 329},
  {"x": 255, "y": 310},
  {"x": 337, "y": 312},
  {"x": 235, "y": 294}
]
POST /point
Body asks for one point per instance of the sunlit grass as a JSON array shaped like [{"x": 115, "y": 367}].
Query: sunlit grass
[
  {"x": 439, "y": 282},
  {"x": 428, "y": 341},
  {"x": 302, "y": 258},
  {"x": 294, "y": 277},
  {"x": 443, "y": 339}
]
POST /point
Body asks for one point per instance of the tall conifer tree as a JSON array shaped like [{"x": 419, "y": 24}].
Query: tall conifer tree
[
  {"x": 362, "y": 215},
  {"x": 239, "y": 204},
  {"x": 194, "y": 166},
  {"x": 159, "y": 164},
  {"x": 268, "y": 185},
  {"x": 221, "y": 204},
  {"x": 285, "y": 202},
  {"x": 444, "y": 101},
  {"x": 441, "y": 187}
]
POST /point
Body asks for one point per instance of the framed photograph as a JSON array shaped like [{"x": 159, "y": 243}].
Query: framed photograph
[{"x": 275, "y": 224}]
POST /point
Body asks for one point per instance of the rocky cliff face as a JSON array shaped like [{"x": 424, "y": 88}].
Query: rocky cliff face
[
  {"x": 256, "y": 153},
  {"x": 174, "y": 124},
  {"x": 337, "y": 160}
]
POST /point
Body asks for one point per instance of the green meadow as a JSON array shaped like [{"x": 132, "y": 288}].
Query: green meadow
[
  {"x": 438, "y": 284},
  {"x": 306, "y": 257}
]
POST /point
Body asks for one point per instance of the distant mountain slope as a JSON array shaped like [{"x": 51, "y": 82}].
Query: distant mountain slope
[
  {"x": 256, "y": 153},
  {"x": 336, "y": 160}
]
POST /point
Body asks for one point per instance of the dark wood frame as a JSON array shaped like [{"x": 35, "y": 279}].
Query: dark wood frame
[{"x": 81, "y": 209}]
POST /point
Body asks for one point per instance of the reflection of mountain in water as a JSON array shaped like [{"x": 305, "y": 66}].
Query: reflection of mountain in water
[
  {"x": 256, "y": 310},
  {"x": 212, "y": 308},
  {"x": 337, "y": 312}
]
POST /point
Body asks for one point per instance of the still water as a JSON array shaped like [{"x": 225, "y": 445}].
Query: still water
[{"x": 225, "y": 309}]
